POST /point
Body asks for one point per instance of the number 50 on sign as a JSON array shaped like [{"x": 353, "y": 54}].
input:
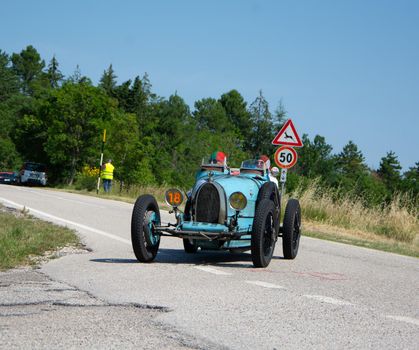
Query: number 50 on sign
[{"x": 285, "y": 157}]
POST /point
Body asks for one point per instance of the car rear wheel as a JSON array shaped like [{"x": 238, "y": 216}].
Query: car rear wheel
[
  {"x": 145, "y": 216},
  {"x": 291, "y": 229},
  {"x": 263, "y": 234},
  {"x": 190, "y": 246}
]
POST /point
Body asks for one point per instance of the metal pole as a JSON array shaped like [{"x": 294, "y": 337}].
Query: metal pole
[
  {"x": 101, "y": 161},
  {"x": 283, "y": 179}
]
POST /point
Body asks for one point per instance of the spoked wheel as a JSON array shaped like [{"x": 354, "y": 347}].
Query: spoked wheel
[
  {"x": 263, "y": 235},
  {"x": 145, "y": 216},
  {"x": 291, "y": 229},
  {"x": 190, "y": 246}
]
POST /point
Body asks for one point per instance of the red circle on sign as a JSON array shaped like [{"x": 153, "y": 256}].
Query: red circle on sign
[{"x": 282, "y": 157}]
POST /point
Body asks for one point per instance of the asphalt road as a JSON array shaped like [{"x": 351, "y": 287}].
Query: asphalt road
[{"x": 332, "y": 296}]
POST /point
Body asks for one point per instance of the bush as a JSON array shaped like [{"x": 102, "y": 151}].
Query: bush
[{"x": 87, "y": 178}]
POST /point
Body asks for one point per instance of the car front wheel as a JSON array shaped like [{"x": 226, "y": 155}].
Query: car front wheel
[
  {"x": 263, "y": 234},
  {"x": 145, "y": 216}
]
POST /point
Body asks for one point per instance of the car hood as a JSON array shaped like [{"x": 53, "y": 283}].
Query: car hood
[{"x": 248, "y": 185}]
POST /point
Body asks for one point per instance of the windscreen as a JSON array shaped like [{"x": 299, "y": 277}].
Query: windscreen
[
  {"x": 35, "y": 167},
  {"x": 253, "y": 164}
]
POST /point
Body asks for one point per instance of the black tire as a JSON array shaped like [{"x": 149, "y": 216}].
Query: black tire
[
  {"x": 291, "y": 229},
  {"x": 190, "y": 246},
  {"x": 263, "y": 234},
  {"x": 144, "y": 242},
  {"x": 269, "y": 191}
]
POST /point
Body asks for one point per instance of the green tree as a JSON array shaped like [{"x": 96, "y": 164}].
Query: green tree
[
  {"x": 54, "y": 75},
  {"x": 210, "y": 114},
  {"x": 236, "y": 110},
  {"x": 350, "y": 162},
  {"x": 78, "y": 78},
  {"x": 10, "y": 103},
  {"x": 29, "y": 66},
  {"x": 108, "y": 80},
  {"x": 389, "y": 171},
  {"x": 9, "y": 157},
  {"x": 9, "y": 81},
  {"x": 73, "y": 117},
  {"x": 130, "y": 154},
  {"x": 410, "y": 182},
  {"x": 351, "y": 170},
  {"x": 279, "y": 116},
  {"x": 134, "y": 97},
  {"x": 262, "y": 126},
  {"x": 172, "y": 126},
  {"x": 316, "y": 159}
]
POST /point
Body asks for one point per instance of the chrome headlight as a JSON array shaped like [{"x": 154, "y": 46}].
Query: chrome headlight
[{"x": 238, "y": 201}]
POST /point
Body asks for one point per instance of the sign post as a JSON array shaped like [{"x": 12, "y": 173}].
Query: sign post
[
  {"x": 286, "y": 156},
  {"x": 101, "y": 161}
]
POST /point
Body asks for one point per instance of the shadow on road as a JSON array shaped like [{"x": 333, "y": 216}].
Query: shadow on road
[
  {"x": 178, "y": 256},
  {"x": 115, "y": 261}
]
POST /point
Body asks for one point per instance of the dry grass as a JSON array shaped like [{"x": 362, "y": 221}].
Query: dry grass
[{"x": 397, "y": 221}]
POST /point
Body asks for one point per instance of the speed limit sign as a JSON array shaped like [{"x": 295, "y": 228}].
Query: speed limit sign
[{"x": 285, "y": 157}]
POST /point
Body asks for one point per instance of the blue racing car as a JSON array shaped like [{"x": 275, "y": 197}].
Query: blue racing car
[{"x": 234, "y": 211}]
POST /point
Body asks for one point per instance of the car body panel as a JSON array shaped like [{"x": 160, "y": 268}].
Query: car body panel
[
  {"x": 33, "y": 173},
  {"x": 233, "y": 229},
  {"x": 7, "y": 177}
]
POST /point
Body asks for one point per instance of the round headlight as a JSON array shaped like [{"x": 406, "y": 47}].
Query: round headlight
[{"x": 238, "y": 201}]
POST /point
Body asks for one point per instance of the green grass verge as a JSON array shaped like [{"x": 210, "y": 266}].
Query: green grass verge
[
  {"x": 23, "y": 236},
  {"x": 401, "y": 248}
]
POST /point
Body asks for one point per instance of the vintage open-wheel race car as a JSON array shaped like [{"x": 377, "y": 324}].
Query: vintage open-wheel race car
[{"x": 225, "y": 210}]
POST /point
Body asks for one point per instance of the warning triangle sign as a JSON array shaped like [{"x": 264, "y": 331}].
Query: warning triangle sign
[{"x": 288, "y": 136}]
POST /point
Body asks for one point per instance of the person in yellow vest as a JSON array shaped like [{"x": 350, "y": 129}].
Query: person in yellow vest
[{"x": 107, "y": 175}]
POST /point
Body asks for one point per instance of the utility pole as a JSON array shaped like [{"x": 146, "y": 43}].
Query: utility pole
[{"x": 101, "y": 161}]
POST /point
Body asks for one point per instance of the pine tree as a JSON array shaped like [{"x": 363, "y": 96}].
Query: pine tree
[
  {"x": 54, "y": 75},
  {"x": 389, "y": 171},
  {"x": 28, "y": 66},
  {"x": 263, "y": 128},
  {"x": 108, "y": 80},
  {"x": 351, "y": 161}
]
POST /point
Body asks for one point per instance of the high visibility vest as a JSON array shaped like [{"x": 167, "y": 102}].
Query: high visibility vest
[{"x": 107, "y": 173}]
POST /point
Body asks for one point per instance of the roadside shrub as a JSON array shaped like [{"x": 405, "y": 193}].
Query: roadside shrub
[{"x": 87, "y": 178}]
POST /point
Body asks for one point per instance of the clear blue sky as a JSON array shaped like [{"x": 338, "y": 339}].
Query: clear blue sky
[{"x": 347, "y": 70}]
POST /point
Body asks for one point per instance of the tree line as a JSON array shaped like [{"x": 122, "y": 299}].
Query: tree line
[{"x": 57, "y": 120}]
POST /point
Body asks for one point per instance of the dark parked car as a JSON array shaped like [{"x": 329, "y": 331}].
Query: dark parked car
[{"x": 8, "y": 177}]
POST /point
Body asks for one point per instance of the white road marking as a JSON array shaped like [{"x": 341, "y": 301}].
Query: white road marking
[
  {"x": 212, "y": 270},
  {"x": 69, "y": 222},
  {"x": 39, "y": 193},
  {"x": 404, "y": 319},
  {"x": 328, "y": 300},
  {"x": 265, "y": 284}
]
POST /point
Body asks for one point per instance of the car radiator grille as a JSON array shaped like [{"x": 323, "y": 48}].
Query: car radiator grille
[{"x": 207, "y": 204}]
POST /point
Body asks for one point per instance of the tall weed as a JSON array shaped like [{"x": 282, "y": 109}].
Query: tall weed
[{"x": 397, "y": 220}]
